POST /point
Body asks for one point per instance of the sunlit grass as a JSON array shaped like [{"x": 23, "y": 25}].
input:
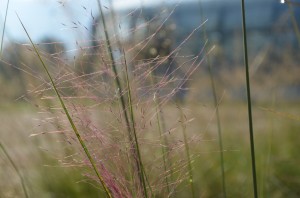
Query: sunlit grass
[
  {"x": 136, "y": 143},
  {"x": 82, "y": 143}
]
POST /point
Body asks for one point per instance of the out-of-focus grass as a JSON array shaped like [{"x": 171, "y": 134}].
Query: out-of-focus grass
[
  {"x": 36, "y": 158},
  {"x": 272, "y": 130},
  {"x": 276, "y": 139}
]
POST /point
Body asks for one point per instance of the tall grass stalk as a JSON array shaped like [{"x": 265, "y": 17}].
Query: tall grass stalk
[
  {"x": 294, "y": 21},
  {"x": 216, "y": 104},
  {"x": 1, "y": 145},
  {"x": 266, "y": 164},
  {"x": 81, "y": 141},
  {"x": 249, "y": 100},
  {"x": 114, "y": 67},
  {"x": 161, "y": 129},
  {"x": 163, "y": 139},
  {"x": 130, "y": 129},
  {"x": 141, "y": 170},
  {"x": 187, "y": 150},
  {"x": 164, "y": 144},
  {"x": 118, "y": 85},
  {"x": 4, "y": 25},
  {"x": 16, "y": 169},
  {"x": 267, "y": 172}
]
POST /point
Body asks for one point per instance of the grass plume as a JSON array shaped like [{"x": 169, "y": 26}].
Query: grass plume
[
  {"x": 163, "y": 139},
  {"x": 130, "y": 126},
  {"x": 81, "y": 141},
  {"x": 141, "y": 170},
  {"x": 116, "y": 96}
]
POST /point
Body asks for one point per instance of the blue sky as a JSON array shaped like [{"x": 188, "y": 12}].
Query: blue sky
[
  {"x": 54, "y": 18},
  {"x": 48, "y": 18}
]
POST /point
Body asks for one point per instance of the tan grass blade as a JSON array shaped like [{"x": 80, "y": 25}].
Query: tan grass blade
[{"x": 82, "y": 143}]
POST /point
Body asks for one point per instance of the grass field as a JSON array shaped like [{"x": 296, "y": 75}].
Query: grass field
[
  {"x": 143, "y": 118},
  {"x": 48, "y": 172}
]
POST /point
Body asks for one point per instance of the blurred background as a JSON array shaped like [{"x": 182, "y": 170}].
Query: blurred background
[
  {"x": 196, "y": 37},
  {"x": 69, "y": 27}
]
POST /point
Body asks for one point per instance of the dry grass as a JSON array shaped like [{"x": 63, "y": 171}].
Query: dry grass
[
  {"x": 275, "y": 138},
  {"x": 117, "y": 126}
]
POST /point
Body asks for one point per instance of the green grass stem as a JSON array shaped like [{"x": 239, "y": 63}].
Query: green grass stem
[
  {"x": 16, "y": 169},
  {"x": 252, "y": 146},
  {"x": 267, "y": 173},
  {"x": 132, "y": 137},
  {"x": 4, "y": 25},
  {"x": 294, "y": 21},
  {"x": 118, "y": 82},
  {"x": 141, "y": 170},
  {"x": 161, "y": 128},
  {"x": 216, "y": 104},
  {"x": 187, "y": 150},
  {"x": 114, "y": 67},
  {"x": 164, "y": 144},
  {"x": 81, "y": 141}
]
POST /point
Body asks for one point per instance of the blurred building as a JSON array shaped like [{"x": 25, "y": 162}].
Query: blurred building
[{"x": 184, "y": 29}]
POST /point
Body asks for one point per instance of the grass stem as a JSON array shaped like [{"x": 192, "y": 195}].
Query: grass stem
[
  {"x": 294, "y": 21},
  {"x": 130, "y": 127},
  {"x": 187, "y": 149},
  {"x": 82, "y": 143},
  {"x": 4, "y": 25},
  {"x": 249, "y": 100},
  {"x": 141, "y": 170},
  {"x": 161, "y": 129},
  {"x": 212, "y": 81},
  {"x": 164, "y": 144},
  {"x": 16, "y": 169}
]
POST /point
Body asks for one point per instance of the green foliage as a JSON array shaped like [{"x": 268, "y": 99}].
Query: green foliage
[{"x": 63, "y": 182}]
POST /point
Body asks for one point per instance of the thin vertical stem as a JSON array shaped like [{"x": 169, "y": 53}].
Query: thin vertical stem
[
  {"x": 79, "y": 138},
  {"x": 107, "y": 39},
  {"x": 216, "y": 106},
  {"x": 3, "y": 31},
  {"x": 161, "y": 129},
  {"x": 163, "y": 145},
  {"x": 114, "y": 67},
  {"x": 249, "y": 101},
  {"x": 131, "y": 113},
  {"x": 219, "y": 131},
  {"x": 294, "y": 21},
  {"x": 16, "y": 169},
  {"x": 135, "y": 153},
  {"x": 187, "y": 149},
  {"x": 269, "y": 152}
]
